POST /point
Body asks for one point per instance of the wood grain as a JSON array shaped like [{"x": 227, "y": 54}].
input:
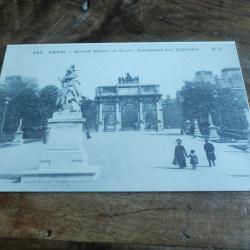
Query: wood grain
[{"x": 177, "y": 220}]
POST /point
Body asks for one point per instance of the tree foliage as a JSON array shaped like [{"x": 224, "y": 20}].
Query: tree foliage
[
  {"x": 29, "y": 103},
  {"x": 203, "y": 98},
  {"x": 88, "y": 109}
]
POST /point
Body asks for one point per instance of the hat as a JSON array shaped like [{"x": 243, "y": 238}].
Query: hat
[
  {"x": 72, "y": 67},
  {"x": 178, "y": 140}
]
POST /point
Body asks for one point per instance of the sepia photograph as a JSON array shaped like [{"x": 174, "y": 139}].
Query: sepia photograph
[{"x": 124, "y": 117}]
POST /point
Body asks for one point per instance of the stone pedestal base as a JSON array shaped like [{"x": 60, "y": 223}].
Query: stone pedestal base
[
  {"x": 59, "y": 160},
  {"x": 72, "y": 175},
  {"x": 18, "y": 138},
  {"x": 213, "y": 135},
  {"x": 64, "y": 155},
  {"x": 100, "y": 127},
  {"x": 197, "y": 132},
  {"x": 159, "y": 125},
  {"x": 142, "y": 125},
  {"x": 117, "y": 126}
]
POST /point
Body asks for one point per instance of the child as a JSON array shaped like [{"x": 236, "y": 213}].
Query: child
[{"x": 193, "y": 159}]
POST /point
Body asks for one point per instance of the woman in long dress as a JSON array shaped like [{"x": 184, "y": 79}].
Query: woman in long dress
[{"x": 180, "y": 154}]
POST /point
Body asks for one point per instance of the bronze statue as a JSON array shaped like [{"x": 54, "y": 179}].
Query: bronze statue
[
  {"x": 70, "y": 95},
  {"x": 128, "y": 79}
]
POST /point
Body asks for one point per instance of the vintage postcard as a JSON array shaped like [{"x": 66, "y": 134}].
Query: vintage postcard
[{"x": 124, "y": 117}]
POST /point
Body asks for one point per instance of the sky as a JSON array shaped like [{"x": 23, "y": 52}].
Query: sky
[{"x": 166, "y": 64}]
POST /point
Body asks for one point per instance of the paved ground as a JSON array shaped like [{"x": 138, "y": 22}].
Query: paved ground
[{"x": 133, "y": 161}]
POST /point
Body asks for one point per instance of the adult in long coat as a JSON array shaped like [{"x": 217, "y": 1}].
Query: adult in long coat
[
  {"x": 209, "y": 149},
  {"x": 180, "y": 154}
]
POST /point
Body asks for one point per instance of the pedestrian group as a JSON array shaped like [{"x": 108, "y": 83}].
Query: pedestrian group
[{"x": 180, "y": 155}]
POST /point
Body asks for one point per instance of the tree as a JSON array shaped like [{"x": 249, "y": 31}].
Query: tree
[
  {"x": 197, "y": 102},
  {"x": 48, "y": 100},
  {"x": 230, "y": 109},
  {"x": 203, "y": 98},
  {"x": 34, "y": 106},
  {"x": 88, "y": 109},
  {"x": 23, "y": 94}
]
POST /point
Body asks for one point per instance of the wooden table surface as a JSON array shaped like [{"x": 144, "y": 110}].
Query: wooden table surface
[{"x": 177, "y": 220}]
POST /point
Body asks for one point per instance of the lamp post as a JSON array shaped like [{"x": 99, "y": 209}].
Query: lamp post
[
  {"x": 180, "y": 101},
  {"x": 6, "y": 102}
]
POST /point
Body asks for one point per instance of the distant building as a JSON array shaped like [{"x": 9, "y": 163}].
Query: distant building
[
  {"x": 229, "y": 78},
  {"x": 204, "y": 76},
  {"x": 232, "y": 78},
  {"x": 129, "y": 105}
]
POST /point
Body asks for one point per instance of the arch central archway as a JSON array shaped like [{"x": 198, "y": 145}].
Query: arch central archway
[{"x": 130, "y": 116}]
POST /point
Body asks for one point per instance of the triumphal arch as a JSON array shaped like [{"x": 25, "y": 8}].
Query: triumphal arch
[{"x": 129, "y": 105}]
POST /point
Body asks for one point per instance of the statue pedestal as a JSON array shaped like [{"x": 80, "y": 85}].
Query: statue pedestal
[
  {"x": 197, "y": 132},
  {"x": 117, "y": 126},
  {"x": 18, "y": 138},
  {"x": 142, "y": 125},
  {"x": 159, "y": 126},
  {"x": 213, "y": 134},
  {"x": 100, "y": 127},
  {"x": 64, "y": 155}
]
